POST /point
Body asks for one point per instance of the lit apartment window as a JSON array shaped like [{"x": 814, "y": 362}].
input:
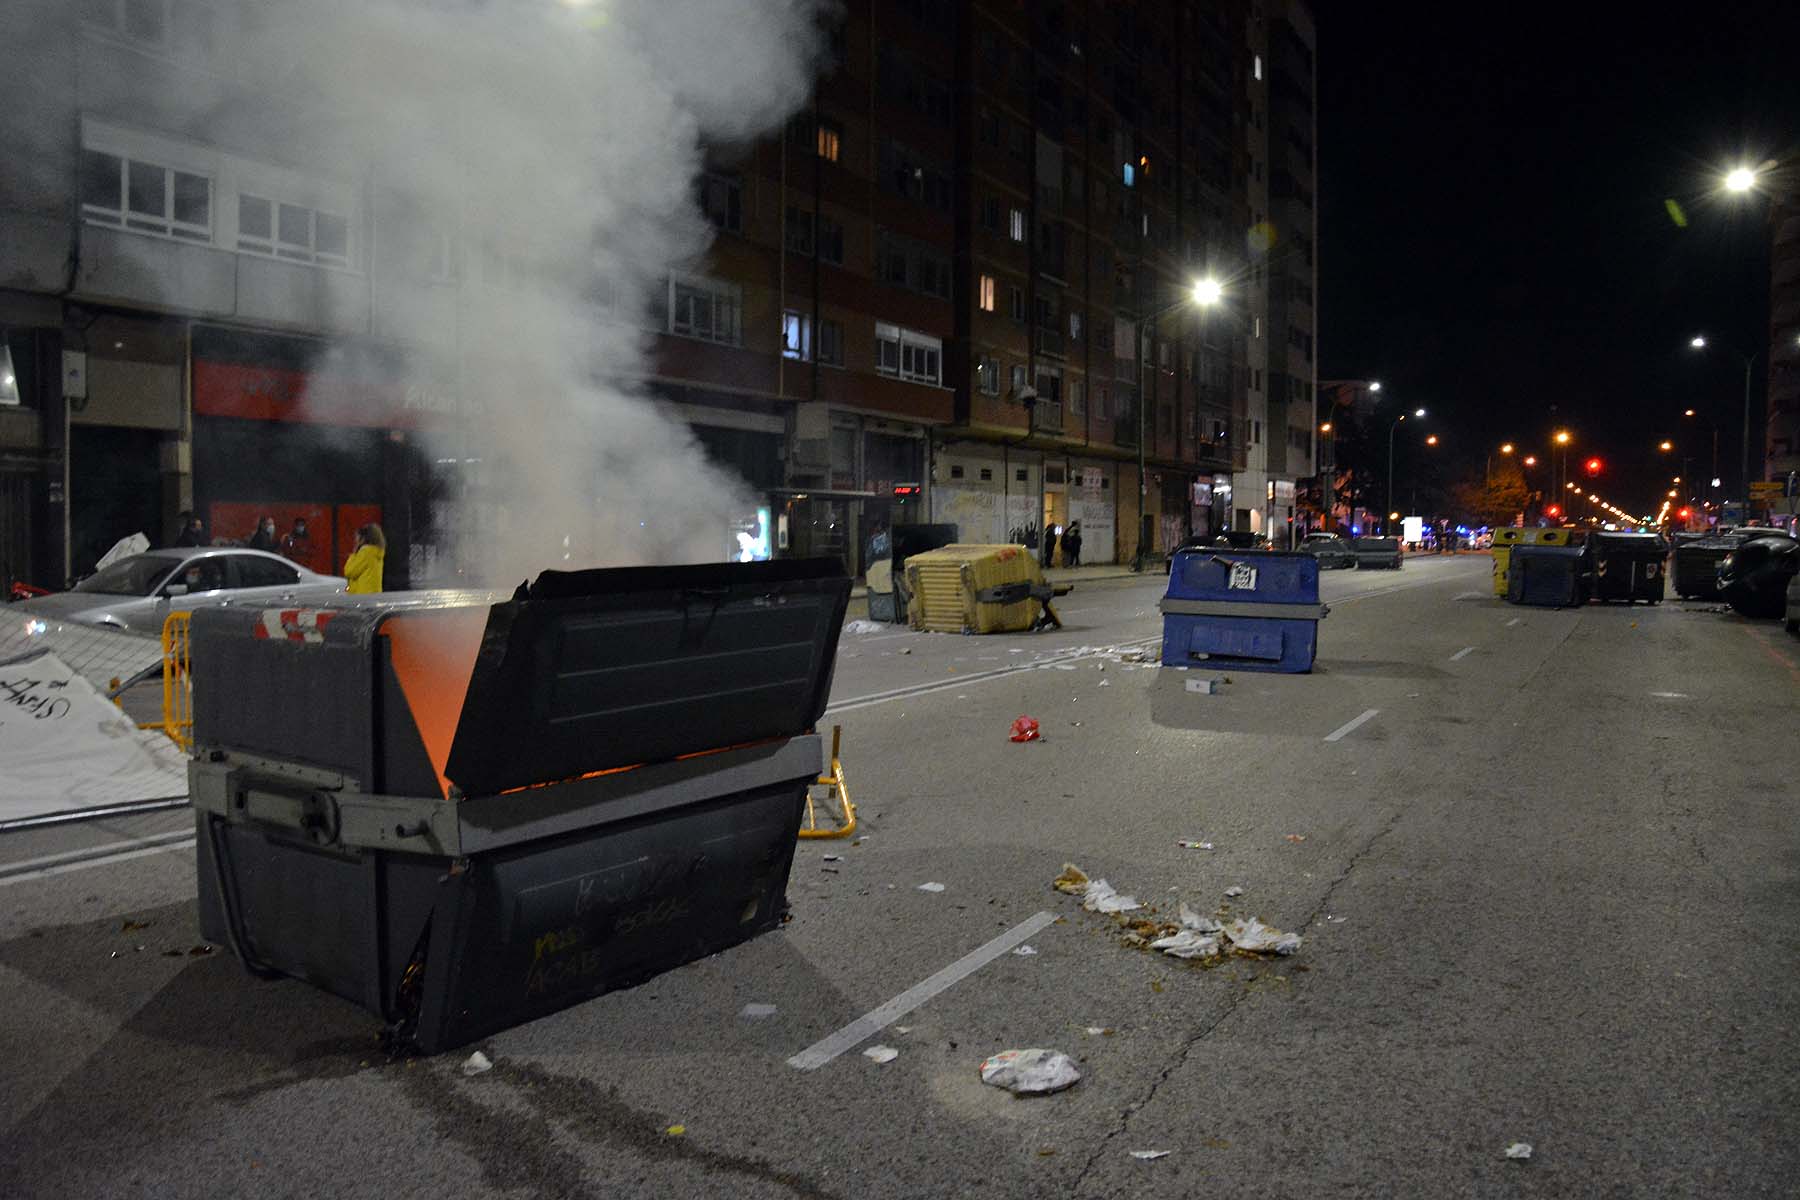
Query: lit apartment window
[
  {"x": 916, "y": 357},
  {"x": 987, "y": 375},
  {"x": 830, "y": 140},
  {"x": 145, "y": 197},
  {"x": 1016, "y": 225},
  {"x": 797, "y": 338},
  {"x": 1256, "y": 66},
  {"x": 987, "y": 293},
  {"x": 704, "y": 309},
  {"x": 1075, "y": 325},
  {"x": 1018, "y": 380}
]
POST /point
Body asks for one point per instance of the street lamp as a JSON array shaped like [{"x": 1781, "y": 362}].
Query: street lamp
[
  {"x": 1740, "y": 179},
  {"x": 1417, "y": 412},
  {"x": 1202, "y": 293},
  {"x": 1699, "y": 343}
]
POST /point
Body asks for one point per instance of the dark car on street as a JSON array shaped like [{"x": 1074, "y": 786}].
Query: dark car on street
[{"x": 1330, "y": 549}]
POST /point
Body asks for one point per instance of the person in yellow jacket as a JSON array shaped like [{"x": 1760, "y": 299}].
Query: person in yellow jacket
[{"x": 363, "y": 567}]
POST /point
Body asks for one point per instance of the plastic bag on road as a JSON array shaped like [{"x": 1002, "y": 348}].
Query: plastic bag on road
[
  {"x": 1257, "y": 938},
  {"x": 1100, "y": 897},
  {"x": 1024, "y": 730},
  {"x": 1188, "y": 944},
  {"x": 1033, "y": 1072}
]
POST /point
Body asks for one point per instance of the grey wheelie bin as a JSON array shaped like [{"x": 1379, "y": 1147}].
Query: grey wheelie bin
[
  {"x": 463, "y": 811},
  {"x": 1547, "y": 576}
]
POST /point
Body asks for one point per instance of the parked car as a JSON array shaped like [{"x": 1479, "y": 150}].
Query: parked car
[
  {"x": 1330, "y": 549},
  {"x": 1230, "y": 539},
  {"x": 1791, "y": 621},
  {"x": 138, "y": 593},
  {"x": 1377, "y": 552}
]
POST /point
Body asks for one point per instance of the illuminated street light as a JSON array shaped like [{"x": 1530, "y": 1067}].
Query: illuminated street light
[
  {"x": 1325, "y": 428},
  {"x": 1665, "y": 447},
  {"x": 1506, "y": 447},
  {"x": 1374, "y": 385},
  {"x": 1431, "y": 440},
  {"x": 1208, "y": 291},
  {"x": 1740, "y": 179},
  {"x": 1562, "y": 437},
  {"x": 1418, "y": 412},
  {"x": 1531, "y": 460},
  {"x": 1688, "y": 413}
]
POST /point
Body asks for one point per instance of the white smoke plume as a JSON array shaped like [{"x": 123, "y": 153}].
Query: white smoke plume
[{"x": 561, "y": 140}]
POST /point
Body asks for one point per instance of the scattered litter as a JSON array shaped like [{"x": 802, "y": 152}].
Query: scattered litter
[
  {"x": 1105, "y": 683},
  {"x": 201, "y": 951},
  {"x": 1072, "y": 880},
  {"x": 675, "y": 1130},
  {"x": 1099, "y": 1031},
  {"x": 1149, "y": 1155},
  {"x": 1030, "y": 1072},
  {"x": 1203, "y": 687},
  {"x": 1296, "y": 838},
  {"x": 834, "y": 858},
  {"x": 476, "y": 1063},
  {"x": 1016, "y": 650},
  {"x": 1024, "y": 729},
  {"x": 1519, "y": 1150},
  {"x": 830, "y": 870},
  {"x": 908, "y": 650},
  {"x": 881, "y": 1054},
  {"x": 1101, "y": 897},
  {"x": 1234, "y": 890},
  {"x": 931, "y": 887},
  {"x": 862, "y": 627},
  {"x": 1025, "y": 951},
  {"x": 1336, "y": 920},
  {"x": 1254, "y": 936},
  {"x": 903, "y": 1029},
  {"x": 1187, "y": 845},
  {"x": 131, "y": 926},
  {"x": 1194, "y": 921},
  {"x": 756, "y": 1012},
  {"x": 1188, "y": 944}
]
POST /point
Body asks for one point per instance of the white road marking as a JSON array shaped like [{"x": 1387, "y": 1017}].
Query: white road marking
[
  {"x": 1514, "y": 621},
  {"x": 98, "y": 856},
  {"x": 872, "y": 1022},
  {"x": 1672, "y": 695},
  {"x": 1462, "y": 654},
  {"x": 1351, "y": 726}
]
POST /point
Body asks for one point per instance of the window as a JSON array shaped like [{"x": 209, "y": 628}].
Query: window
[
  {"x": 905, "y": 172},
  {"x": 988, "y": 128},
  {"x": 1015, "y": 227},
  {"x": 956, "y": 471},
  {"x": 909, "y": 264},
  {"x": 990, "y": 214},
  {"x": 1256, "y": 66},
  {"x": 797, "y": 338},
  {"x": 1102, "y": 404},
  {"x": 145, "y": 197},
  {"x": 987, "y": 375},
  {"x": 830, "y": 140},
  {"x": 916, "y": 357},
  {"x": 830, "y": 241},
  {"x": 1075, "y": 325},
  {"x": 987, "y": 474},
  {"x": 1076, "y": 397},
  {"x": 986, "y": 299},
  {"x": 704, "y": 309},
  {"x": 721, "y": 199},
  {"x": 1018, "y": 380},
  {"x": 1015, "y": 302},
  {"x": 254, "y": 571},
  {"x": 1022, "y": 475}
]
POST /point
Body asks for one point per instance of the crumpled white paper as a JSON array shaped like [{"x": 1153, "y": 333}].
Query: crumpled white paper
[
  {"x": 1254, "y": 936},
  {"x": 1030, "y": 1072},
  {"x": 1101, "y": 897}
]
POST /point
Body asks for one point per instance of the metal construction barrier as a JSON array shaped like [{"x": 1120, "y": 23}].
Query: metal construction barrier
[
  {"x": 463, "y": 811},
  {"x": 178, "y": 681},
  {"x": 1252, "y": 610},
  {"x": 1506, "y": 538},
  {"x": 836, "y": 797}
]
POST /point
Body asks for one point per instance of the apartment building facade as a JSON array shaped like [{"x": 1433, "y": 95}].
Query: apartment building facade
[{"x": 1782, "y": 442}]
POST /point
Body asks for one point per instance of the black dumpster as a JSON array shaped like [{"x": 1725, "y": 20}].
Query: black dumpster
[
  {"x": 1754, "y": 577},
  {"x": 1626, "y": 566},
  {"x": 462, "y": 813},
  {"x": 1547, "y": 576}
]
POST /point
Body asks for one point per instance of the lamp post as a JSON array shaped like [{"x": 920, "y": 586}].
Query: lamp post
[
  {"x": 1699, "y": 342},
  {"x": 1417, "y": 412},
  {"x": 1202, "y": 293}
]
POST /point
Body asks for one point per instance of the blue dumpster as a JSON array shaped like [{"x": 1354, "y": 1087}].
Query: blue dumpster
[{"x": 1250, "y": 610}]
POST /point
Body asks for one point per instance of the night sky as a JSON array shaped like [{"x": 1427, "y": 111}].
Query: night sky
[{"x": 1494, "y": 243}]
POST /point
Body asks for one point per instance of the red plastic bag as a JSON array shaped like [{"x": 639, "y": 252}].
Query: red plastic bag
[{"x": 1024, "y": 730}]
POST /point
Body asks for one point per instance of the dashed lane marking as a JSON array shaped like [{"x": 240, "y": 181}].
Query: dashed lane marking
[
  {"x": 1462, "y": 654},
  {"x": 1351, "y": 726},
  {"x": 875, "y": 1020}
]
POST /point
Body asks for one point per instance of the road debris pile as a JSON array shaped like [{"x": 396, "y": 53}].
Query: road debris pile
[
  {"x": 1024, "y": 729},
  {"x": 1035, "y": 1072},
  {"x": 1190, "y": 936}
]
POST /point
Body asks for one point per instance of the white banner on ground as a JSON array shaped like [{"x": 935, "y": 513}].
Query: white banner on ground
[{"x": 64, "y": 746}]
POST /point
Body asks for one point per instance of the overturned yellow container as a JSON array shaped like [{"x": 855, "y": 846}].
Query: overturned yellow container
[
  {"x": 976, "y": 589},
  {"x": 1506, "y": 539}
]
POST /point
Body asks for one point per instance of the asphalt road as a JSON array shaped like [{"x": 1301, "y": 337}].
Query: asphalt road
[{"x": 1543, "y": 862}]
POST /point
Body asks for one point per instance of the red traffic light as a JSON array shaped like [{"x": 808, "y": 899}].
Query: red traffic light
[
  {"x": 1555, "y": 510},
  {"x": 1684, "y": 514},
  {"x": 1593, "y": 466}
]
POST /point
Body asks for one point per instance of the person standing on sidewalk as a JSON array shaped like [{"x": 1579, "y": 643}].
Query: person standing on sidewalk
[
  {"x": 1071, "y": 545},
  {"x": 363, "y": 567}
]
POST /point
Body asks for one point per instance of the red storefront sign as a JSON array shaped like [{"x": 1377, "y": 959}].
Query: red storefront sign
[{"x": 270, "y": 393}]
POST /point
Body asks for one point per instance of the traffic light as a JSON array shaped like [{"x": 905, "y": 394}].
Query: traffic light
[
  {"x": 1683, "y": 514},
  {"x": 1593, "y": 467},
  {"x": 1555, "y": 510}
]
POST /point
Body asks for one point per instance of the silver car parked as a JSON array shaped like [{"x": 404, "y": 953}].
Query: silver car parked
[{"x": 137, "y": 593}]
